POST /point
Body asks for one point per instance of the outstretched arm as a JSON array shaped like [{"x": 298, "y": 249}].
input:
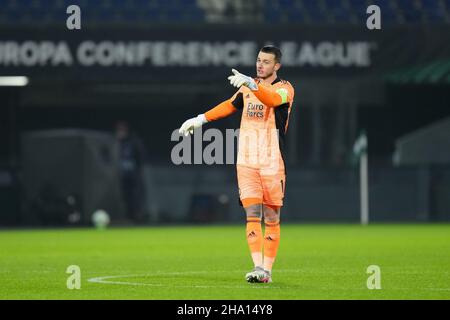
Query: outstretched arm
[
  {"x": 270, "y": 97},
  {"x": 220, "y": 111}
]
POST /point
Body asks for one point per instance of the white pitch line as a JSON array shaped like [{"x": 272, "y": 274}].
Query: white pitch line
[{"x": 105, "y": 280}]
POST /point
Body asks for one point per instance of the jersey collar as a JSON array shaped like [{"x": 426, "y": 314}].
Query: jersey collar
[{"x": 275, "y": 81}]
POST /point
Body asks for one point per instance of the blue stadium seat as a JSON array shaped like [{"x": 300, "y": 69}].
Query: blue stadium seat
[
  {"x": 337, "y": 11},
  {"x": 295, "y": 15},
  {"x": 342, "y": 15},
  {"x": 272, "y": 12},
  {"x": 129, "y": 15},
  {"x": 358, "y": 3},
  {"x": 435, "y": 11},
  {"x": 410, "y": 11},
  {"x": 286, "y": 4},
  {"x": 314, "y": 12},
  {"x": 174, "y": 14},
  {"x": 332, "y": 4},
  {"x": 357, "y": 9}
]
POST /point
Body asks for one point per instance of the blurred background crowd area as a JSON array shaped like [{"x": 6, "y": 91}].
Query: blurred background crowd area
[
  {"x": 227, "y": 11},
  {"x": 148, "y": 65}
]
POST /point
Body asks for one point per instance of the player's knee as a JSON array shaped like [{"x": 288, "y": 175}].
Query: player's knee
[
  {"x": 271, "y": 218},
  {"x": 254, "y": 211},
  {"x": 271, "y": 214}
]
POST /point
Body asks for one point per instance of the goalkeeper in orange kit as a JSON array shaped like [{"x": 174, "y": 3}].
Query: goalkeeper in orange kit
[{"x": 265, "y": 102}]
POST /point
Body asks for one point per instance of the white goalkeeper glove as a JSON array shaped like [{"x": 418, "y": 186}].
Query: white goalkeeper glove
[
  {"x": 238, "y": 79},
  {"x": 189, "y": 125}
]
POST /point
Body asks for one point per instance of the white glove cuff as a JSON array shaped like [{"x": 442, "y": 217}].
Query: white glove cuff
[
  {"x": 202, "y": 118},
  {"x": 253, "y": 86}
]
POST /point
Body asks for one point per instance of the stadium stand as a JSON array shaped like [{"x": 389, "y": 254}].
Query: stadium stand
[{"x": 200, "y": 11}]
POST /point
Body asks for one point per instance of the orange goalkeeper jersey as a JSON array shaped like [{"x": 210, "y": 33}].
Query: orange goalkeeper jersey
[{"x": 264, "y": 121}]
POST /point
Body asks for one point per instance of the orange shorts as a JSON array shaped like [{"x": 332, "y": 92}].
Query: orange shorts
[{"x": 254, "y": 183}]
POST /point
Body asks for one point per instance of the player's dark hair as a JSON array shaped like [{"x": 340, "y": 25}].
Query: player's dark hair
[{"x": 273, "y": 50}]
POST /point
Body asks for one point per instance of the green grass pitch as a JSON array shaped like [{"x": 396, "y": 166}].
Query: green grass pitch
[{"x": 209, "y": 262}]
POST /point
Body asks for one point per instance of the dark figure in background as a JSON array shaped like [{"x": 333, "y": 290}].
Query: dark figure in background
[{"x": 132, "y": 157}]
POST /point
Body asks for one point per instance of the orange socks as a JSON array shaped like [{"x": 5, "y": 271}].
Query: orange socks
[
  {"x": 271, "y": 243},
  {"x": 254, "y": 239},
  {"x": 255, "y": 242}
]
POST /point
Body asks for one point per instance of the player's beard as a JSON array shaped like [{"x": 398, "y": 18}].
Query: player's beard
[{"x": 267, "y": 76}]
